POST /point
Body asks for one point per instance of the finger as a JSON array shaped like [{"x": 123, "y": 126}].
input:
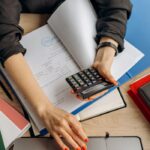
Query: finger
[
  {"x": 80, "y": 142},
  {"x": 98, "y": 95},
  {"x": 78, "y": 130},
  {"x": 72, "y": 92},
  {"x": 78, "y": 97},
  {"x": 70, "y": 140},
  {"x": 108, "y": 76},
  {"x": 60, "y": 142},
  {"x": 92, "y": 97}
]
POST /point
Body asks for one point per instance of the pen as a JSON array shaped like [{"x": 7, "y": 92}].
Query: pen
[
  {"x": 2, "y": 147},
  {"x": 5, "y": 90}
]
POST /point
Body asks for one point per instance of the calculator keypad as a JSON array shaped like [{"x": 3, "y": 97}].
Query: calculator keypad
[{"x": 88, "y": 82}]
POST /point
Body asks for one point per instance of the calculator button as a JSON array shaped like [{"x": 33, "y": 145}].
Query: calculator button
[
  {"x": 85, "y": 85},
  {"x": 76, "y": 85},
  {"x": 76, "y": 76},
  {"x": 89, "y": 83},
  {"x": 92, "y": 70},
  {"x": 98, "y": 76},
  {"x": 81, "y": 83},
  {"x": 87, "y": 80},
  {"x": 94, "y": 81},
  {"x": 95, "y": 73},
  {"x": 92, "y": 78}
]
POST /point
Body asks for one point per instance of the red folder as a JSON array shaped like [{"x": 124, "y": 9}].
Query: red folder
[
  {"x": 133, "y": 92},
  {"x": 13, "y": 115}
]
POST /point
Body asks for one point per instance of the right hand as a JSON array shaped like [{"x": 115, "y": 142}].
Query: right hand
[{"x": 60, "y": 123}]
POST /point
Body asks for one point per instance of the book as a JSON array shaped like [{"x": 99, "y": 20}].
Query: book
[
  {"x": 12, "y": 123},
  {"x": 133, "y": 92},
  {"x": 51, "y": 59},
  {"x": 95, "y": 143}
]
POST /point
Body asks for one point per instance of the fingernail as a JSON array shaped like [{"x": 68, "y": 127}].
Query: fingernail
[
  {"x": 90, "y": 98},
  {"x": 83, "y": 148},
  {"x": 71, "y": 91},
  {"x": 66, "y": 149},
  {"x": 78, "y": 148},
  {"x": 86, "y": 140}
]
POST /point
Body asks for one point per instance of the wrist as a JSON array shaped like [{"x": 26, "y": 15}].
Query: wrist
[
  {"x": 109, "y": 44},
  {"x": 42, "y": 106},
  {"x": 107, "y": 39},
  {"x": 105, "y": 54}
]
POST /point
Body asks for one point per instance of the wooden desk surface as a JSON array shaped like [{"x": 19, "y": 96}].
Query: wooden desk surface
[
  {"x": 128, "y": 121},
  {"x": 124, "y": 122}
]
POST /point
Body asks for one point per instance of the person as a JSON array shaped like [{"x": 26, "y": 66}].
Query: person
[{"x": 111, "y": 27}]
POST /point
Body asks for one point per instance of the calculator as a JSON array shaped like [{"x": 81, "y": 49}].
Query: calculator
[{"x": 88, "y": 82}]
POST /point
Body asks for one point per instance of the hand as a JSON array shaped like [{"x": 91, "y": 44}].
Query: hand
[
  {"x": 90, "y": 98},
  {"x": 103, "y": 63},
  {"x": 60, "y": 123}
]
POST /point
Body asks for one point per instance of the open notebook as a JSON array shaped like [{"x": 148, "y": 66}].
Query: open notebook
[{"x": 51, "y": 61}]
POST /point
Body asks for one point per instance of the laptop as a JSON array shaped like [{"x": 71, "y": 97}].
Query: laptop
[{"x": 95, "y": 143}]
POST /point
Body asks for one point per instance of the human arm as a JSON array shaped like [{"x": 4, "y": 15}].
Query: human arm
[
  {"x": 57, "y": 121},
  {"x": 111, "y": 27}
]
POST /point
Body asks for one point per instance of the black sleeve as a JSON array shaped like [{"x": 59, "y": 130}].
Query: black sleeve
[
  {"x": 112, "y": 19},
  {"x": 10, "y": 31}
]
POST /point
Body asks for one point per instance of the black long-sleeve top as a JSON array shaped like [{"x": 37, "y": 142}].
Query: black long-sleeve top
[{"x": 112, "y": 19}]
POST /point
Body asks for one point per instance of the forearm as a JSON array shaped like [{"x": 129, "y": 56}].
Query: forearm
[
  {"x": 20, "y": 73},
  {"x": 112, "y": 19}
]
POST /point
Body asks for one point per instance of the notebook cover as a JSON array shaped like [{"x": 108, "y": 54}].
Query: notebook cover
[
  {"x": 139, "y": 83},
  {"x": 10, "y": 112},
  {"x": 140, "y": 104}
]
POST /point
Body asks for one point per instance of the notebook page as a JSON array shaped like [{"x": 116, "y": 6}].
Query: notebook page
[
  {"x": 109, "y": 102},
  {"x": 125, "y": 60},
  {"x": 74, "y": 22}
]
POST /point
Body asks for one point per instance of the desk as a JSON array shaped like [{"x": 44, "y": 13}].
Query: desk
[
  {"x": 127, "y": 121},
  {"x": 124, "y": 122}
]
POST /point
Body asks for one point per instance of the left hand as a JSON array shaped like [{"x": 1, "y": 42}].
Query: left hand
[{"x": 103, "y": 63}]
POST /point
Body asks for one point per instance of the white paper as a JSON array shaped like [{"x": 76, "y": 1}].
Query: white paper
[
  {"x": 125, "y": 60},
  {"x": 74, "y": 22}
]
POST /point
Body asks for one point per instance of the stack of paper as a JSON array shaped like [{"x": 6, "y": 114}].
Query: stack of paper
[{"x": 12, "y": 123}]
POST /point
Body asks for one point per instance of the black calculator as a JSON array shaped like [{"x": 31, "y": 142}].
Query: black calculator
[{"x": 88, "y": 82}]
